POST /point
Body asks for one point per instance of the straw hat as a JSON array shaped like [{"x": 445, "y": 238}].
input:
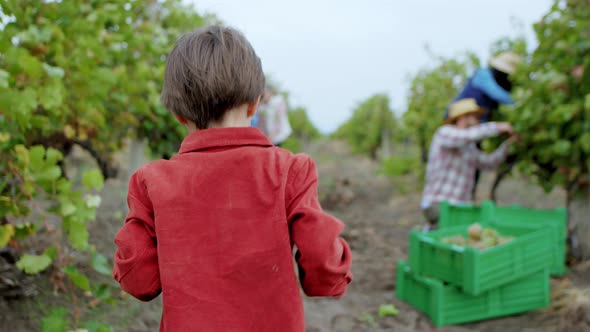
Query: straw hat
[
  {"x": 506, "y": 62},
  {"x": 464, "y": 107}
]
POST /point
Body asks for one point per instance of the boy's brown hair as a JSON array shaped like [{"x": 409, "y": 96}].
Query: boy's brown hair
[{"x": 210, "y": 71}]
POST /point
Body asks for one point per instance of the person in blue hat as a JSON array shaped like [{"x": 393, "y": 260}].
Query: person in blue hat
[{"x": 491, "y": 86}]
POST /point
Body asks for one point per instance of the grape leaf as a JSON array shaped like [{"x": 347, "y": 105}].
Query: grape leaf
[
  {"x": 33, "y": 264},
  {"x": 80, "y": 280},
  {"x": 6, "y": 234},
  {"x": 93, "y": 179}
]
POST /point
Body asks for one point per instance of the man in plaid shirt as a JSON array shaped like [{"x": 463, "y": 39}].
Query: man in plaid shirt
[{"x": 454, "y": 157}]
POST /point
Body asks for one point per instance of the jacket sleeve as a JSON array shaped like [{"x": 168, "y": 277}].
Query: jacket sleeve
[
  {"x": 136, "y": 259},
  {"x": 484, "y": 80},
  {"x": 452, "y": 137},
  {"x": 324, "y": 259}
]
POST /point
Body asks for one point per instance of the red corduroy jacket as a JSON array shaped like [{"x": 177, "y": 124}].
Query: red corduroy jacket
[{"x": 213, "y": 230}]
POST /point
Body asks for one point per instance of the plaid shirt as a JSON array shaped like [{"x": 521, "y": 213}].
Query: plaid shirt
[{"x": 453, "y": 160}]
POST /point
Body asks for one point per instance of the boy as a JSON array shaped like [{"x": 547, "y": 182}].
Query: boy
[
  {"x": 213, "y": 228},
  {"x": 454, "y": 157}
]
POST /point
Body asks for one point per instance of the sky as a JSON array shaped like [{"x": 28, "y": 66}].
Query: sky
[{"x": 331, "y": 55}]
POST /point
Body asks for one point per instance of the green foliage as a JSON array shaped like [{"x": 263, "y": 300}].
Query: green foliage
[
  {"x": 431, "y": 91},
  {"x": 102, "y": 292},
  {"x": 388, "y": 310},
  {"x": 33, "y": 264},
  {"x": 56, "y": 321},
  {"x": 371, "y": 121},
  {"x": 97, "y": 327},
  {"x": 6, "y": 233},
  {"x": 93, "y": 180},
  {"x": 303, "y": 133},
  {"x": 100, "y": 264},
  {"x": 400, "y": 165},
  {"x": 517, "y": 45},
  {"x": 80, "y": 280},
  {"x": 552, "y": 111},
  {"x": 292, "y": 144},
  {"x": 95, "y": 98},
  {"x": 303, "y": 128},
  {"x": 33, "y": 172},
  {"x": 369, "y": 319}
]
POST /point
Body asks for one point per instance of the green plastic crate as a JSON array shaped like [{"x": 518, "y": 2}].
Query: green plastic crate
[
  {"x": 446, "y": 305},
  {"x": 556, "y": 219},
  {"x": 457, "y": 215},
  {"x": 489, "y": 213},
  {"x": 477, "y": 271}
]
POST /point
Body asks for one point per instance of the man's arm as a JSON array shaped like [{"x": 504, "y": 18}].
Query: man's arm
[
  {"x": 492, "y": 160},
  {"x": 452, "y": 137}
]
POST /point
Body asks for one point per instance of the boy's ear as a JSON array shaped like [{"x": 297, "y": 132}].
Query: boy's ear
[
  {"x": 252, "y": 107},
  {"x": 181, "y": 119}
]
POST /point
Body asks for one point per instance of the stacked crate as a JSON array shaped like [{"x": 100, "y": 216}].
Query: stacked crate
[{"x": 454, "y": 284}]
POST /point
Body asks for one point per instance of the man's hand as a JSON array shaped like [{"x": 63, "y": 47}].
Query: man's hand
[
  {"x": 513, "y": 139},
  {"x": 505, "y": 128}
]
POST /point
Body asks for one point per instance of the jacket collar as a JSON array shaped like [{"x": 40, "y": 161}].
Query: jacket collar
[{"x": 223, "y": 137}]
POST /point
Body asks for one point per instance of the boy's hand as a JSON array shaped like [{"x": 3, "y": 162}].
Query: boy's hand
[{"x": 505, "y": 128}]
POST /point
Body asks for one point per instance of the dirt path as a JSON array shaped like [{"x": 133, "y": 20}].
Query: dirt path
[{"x": 378, "y": 217}]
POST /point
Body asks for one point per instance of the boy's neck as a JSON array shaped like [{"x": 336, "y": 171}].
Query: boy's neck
[{"x": 236, "y": 117}]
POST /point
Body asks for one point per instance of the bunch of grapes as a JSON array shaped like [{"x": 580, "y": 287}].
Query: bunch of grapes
[{"x": 478, "y": 237}]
